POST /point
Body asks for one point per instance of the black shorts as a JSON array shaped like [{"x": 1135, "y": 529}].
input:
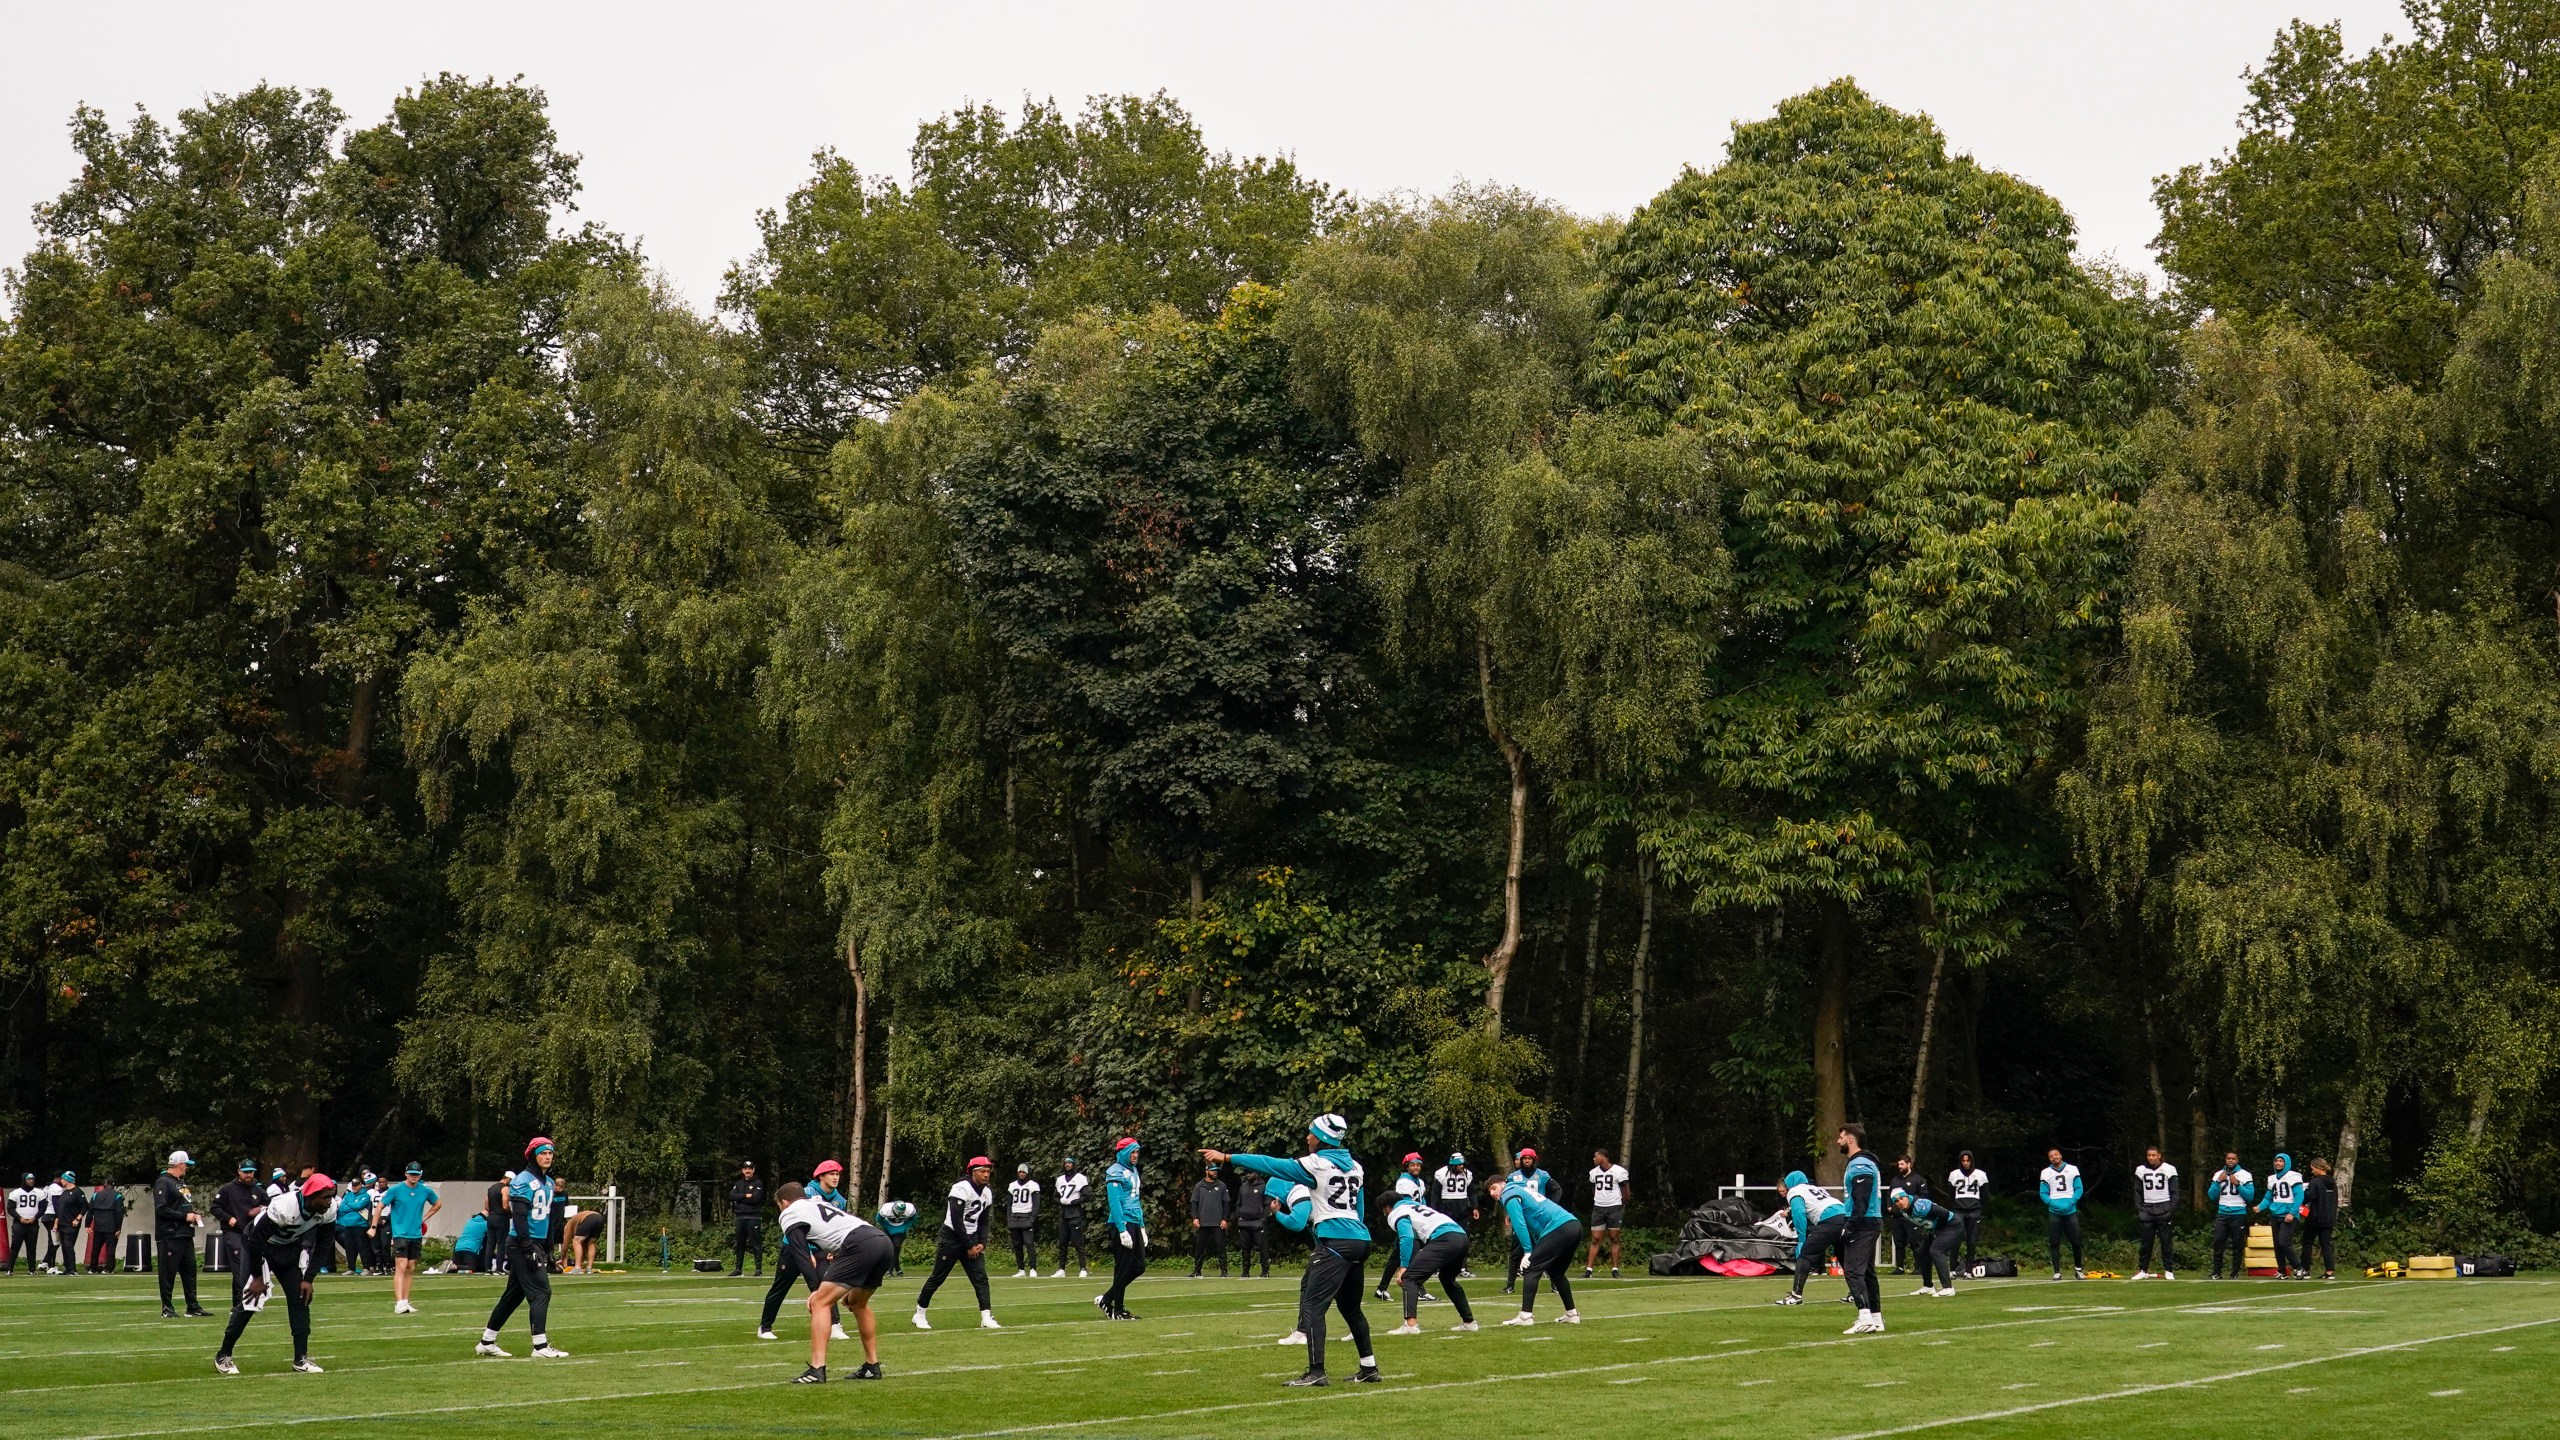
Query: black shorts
[
  {"x": 1609, "y": 1217},
  {"x": 404, "y": 1249},
  {"x": 591, "y": 1225},
  {"x": 863, "y": 1262},
  {"x": 467, "y": 1260}
]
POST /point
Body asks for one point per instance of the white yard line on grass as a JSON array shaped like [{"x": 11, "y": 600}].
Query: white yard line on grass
[{"x": 2158, "y": 1387}]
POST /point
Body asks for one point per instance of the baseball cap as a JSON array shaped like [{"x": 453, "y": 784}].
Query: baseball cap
[
  {"x": 180, "y": 1157},
  {"x": 746, "y": 1164},
  {"x": 415, "y": 1169},
  {"x": 1023, "y": 1169},
  {"x": 67, "y": 1175},
  {"x": 248, "y": 1167}
]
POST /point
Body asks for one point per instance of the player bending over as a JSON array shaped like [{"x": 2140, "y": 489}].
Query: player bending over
[
  {"x": 1546, "y": 1233},
  {"x": 1429, "y": 1244},
  {"x": 859, "y": 1259},
  {"x": 1340, "y": 1243},
  {"x": 1818, "y": 1218},
  {"x": 1936, "y": 1234},
  {"x": 282, "y": 1238}
]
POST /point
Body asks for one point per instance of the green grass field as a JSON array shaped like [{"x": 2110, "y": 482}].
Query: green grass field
[{"x": 653, "y": 1355}]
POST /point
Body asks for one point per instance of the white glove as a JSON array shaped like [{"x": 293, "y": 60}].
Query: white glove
[{"x": 1121, "y": 1236}]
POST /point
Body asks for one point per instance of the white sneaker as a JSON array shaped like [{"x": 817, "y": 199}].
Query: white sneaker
[
  {"x": 1925, "y": 1290},
  {"x": 306, "y": 1367},
  {"x": 836, "y": 1332},
  {"x": 1467, "y": 1327},
  {"x": 1875, "y": 1324},
  {"x": 404, "y": 1308},
  {"x": 1570, "y": 1317},
  {"x": 1407, "y": 1328},
  {"x": 769, "y": 1335},
  {"x": 223, "y": 1365},
  {"x": 1523, "y": 1318},
  {"x": 548, "y": 1351},
  {"x": 1061, "y": 1275},
  {"x": 1083, "y": 1274},
  {"x": 2168, "y": 1274},
  {"x": 1294, "y": 1337},
  {"x": 921, "y": 1322},
  {"x": 489, "y": 1348},
  {"x": 2139, "y": 1275},
  {"x": 987, "y": 1320}
]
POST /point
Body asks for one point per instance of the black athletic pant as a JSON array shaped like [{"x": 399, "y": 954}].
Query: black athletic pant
[
  {"x": 1907, "y": 1242},
  {"x": 1071, "y": 1237},
  {"x": 529, "y": 1285},
  {"x": 2232, "y": 1230},
  {"x": 1511, "y": 1275},
  {"x": 1552, "y": 1257},
  {"x": 1026, "y": 1248},
  {"x": 1439, "y": 1258},
  {"x": 1128, "y": 1262},
  {"x": 1971, "y": 1220},
  {"x": 2286, "y": 1262},
  {"x": 1937, "y": 1250},
  {"x": 351, "y": 1248},
  {"x": 2163, "y": 1227},
  {"x": 953, "y": 1250},
  {"x": 22, "y": 1242},
  {"x": 791, "y": 1264},
  {"x": 1819, "y": 1241},
  {"x": 746, "y": 1240},
  {"x": 69, "y": 1228},
  {"x": 287, "y": 1260},
  {"x": 178, "y": 1263},
  {"x": 1253, "y": 1240},
  {"x": 1858, "y": 1264},
  {"x": 2324, "y": 1236},
  {"x": 1335, "y": 1272},
  {"x": 244, "y": 1264},
  {"x": 2059, "y": 1227},
  {"x": 1205, "y": 1240}
]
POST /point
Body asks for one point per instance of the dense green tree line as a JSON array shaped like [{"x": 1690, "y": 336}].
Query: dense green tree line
[{"x": 1104, "y": 634}]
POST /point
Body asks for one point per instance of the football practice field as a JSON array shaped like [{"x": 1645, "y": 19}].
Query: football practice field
[{"x": 652, "y": 1355}]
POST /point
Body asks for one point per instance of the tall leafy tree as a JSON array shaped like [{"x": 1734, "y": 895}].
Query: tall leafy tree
[{"x": 1915, "y": 403}]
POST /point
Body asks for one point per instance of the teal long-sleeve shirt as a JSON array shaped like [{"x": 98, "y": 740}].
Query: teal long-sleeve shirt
[
  {"x": 1533, "y": 1216},
  {"x": 1120, "y": 1188}
]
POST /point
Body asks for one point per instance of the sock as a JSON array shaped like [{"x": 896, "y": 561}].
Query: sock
[
  {"x": 1368, "y": 1362},
  {"x": 541, "y": 1340},
  {"x": 488, "y": 1337}
]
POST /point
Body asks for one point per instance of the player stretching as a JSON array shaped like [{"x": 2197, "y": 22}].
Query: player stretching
[
  {"x": 1818, "y": 1218},
  {"x": 1340, "y": 1241},
  {"x": 1429, "y": 1244},
  {"x": 281, "y": 1238},
  {"x": 1546, "y": 1233},
  {"x": 963, "y": 1241},
  {"x": 1608, "y": 1210},
  {"x": 528, "y": 1247},
  {"x": 1935, "y": 1235},
  {"x": 1127, "y": 1215},
  {"x": 860, "y": 1257}
]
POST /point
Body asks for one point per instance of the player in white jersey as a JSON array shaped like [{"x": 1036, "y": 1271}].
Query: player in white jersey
[
  {"x": 1608, "y": 1210},
  {"x": 2155, "y": 1211},
  {"x": 1071, "y": 1184},
  {"x": 859, "y": 1258},
  {"x": 1966, "y": 1185},
  {"x": 1021, "y": 1214},
  {"x": 1457, "y": 1191},
  {"x": 963, "y": 1241}
]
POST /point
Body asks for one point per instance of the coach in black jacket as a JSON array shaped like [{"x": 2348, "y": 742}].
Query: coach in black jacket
[{"x": 173, "y": 1218}]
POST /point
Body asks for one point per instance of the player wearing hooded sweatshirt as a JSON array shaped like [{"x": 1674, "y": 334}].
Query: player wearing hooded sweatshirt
[
  {"x": 858, "y": 1258},
  {"x": 1021, "y": 1213},
  {"x": 2284, "y": 1206},
  {"x": 1336, "y": 1202},
  {"x": 1428, "y": 1244},
  {"x": 1818, "y": 1218},
  {"x": 2229, "y": 1193},
  {"x": 2320, "y": 1220},
  {"x": 963, "y": 1242},
  {"x": 797, "y": 1261},
  {"x": 1072, "y": 1184},
  {"x": 1934, "y": 1233},
  {"x": 528, "y": 1247},
  {"x": 2060, "y": 1187},
  {"x": 283, "y": 1238},
  {"x": 2155, "y": 1183},
  {"x": 1524, "y": 1171},
  {"x": 1546, "y": 1233},
  {"x": 1126, "y": 1212},
  {"x": 895, "y": 1219},
  {"x": 1863, "y": 1178},
  {"x": 1253, "y": 1235},
  {"x": 1411, "y": 1184},
  {"x": 1965, "y": 1187}
]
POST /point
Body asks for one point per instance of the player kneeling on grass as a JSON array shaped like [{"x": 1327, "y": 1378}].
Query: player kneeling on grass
[
  {"x": 1936, "y": 1233},
  {"x": 1339, "y": 1249},
  {"x": 1546, "y": 1233},
  {"x": 282, "y": 1237},
  {"x": 859, "y": 1258},
  {"x": 1429, "y": 1244}
]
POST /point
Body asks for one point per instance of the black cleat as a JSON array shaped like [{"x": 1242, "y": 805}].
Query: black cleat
[
  {"x": 1124, "y": 1314},
  {"x": 814, "y": 1375},
  {"x": 1312, "y": 1377},
  {"x": 168, "y": 1314},
  {"x": 868, "y": 1372},
  {"x": 198, "y": 1313},
  {"x": 1380, "y": 1292},
  {"x": 1365, "y": 1375}
]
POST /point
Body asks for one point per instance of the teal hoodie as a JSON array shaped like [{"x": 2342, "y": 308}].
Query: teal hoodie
[
  {"x": 1533, "y": 1216},
  {"x": 1120, "y": 1187}
]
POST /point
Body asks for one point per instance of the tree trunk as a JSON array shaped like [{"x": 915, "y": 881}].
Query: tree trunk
[
  {"x": 1199, "y": 889},
  {"x": 2159, "y": 1097},
  {"x": 1920, "y": 1063},
  {"x": 2480, "y": 1113},
  {"x": 2282, "y": 1115},
  {"x": 888, "y": 1116},
  {"x": 1497, "y": 966},
  {"x": 1590, "y": 985},
  {"x": 1831, "y": 1042},
  {"x": 861, "y": 1075},
  {"x": 2350, "y": 1135},
  {"x": 2199, "y": 1139},
  {"x": 1635, "y": 1009}
]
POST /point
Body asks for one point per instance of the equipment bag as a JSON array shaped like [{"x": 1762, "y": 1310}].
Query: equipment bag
[
  {"x": 2490, "y": 1265},
  {"x": 1996, "y": 1267}
]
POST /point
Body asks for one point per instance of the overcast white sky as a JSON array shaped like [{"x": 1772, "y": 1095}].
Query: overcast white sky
[{"x": 692, "y": 117}]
